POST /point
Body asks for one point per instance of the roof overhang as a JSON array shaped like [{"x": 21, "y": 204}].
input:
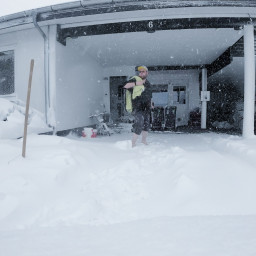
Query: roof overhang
[
  {"x": 152, "y": 26},
  {"x": 93, "y": 7},
  {"x": 99, "y": 17},
  {"x": 162, "y": 50},
  {"x": 85, "y": 8}
]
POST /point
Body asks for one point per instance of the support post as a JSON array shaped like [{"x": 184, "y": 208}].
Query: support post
[
  {"x": 249, "y": 81},
  {"x": 52, "y": 31},
  {"x": 204, "y": 102},
  {"x": 46, "y": 65}
]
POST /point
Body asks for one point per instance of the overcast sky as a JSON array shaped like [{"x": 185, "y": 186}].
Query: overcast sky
[{"x": 13, "y": 6}]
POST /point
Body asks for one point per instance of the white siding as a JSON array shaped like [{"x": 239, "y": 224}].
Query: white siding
[
  {"x": 27, "y": 45},
  {"x": 188, "y": 78},
  {"x": 79, "y": 89}
]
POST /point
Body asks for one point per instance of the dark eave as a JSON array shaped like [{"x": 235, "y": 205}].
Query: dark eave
[
  {"x": 222, "y": 61},
  {"x": 166, "y": 68},
  {"x": 236, "y": 50},
  {"x": 151, "y": 26}
]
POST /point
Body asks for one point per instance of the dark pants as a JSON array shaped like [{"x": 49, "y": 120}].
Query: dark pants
[{"x": 141, "y": 122}]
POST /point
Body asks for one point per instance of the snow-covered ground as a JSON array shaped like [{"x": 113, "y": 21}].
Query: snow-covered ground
[
  {"x": 183, "y": 194},
  {"x": 12, "y": 115}
]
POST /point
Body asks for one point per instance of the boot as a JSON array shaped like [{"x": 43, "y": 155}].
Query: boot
[{"x": 144, "y": 137}]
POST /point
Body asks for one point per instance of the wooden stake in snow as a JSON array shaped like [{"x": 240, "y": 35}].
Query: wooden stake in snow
[{"x": 27, "y": 108}]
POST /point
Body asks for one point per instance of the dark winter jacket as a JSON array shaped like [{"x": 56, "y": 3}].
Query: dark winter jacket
[{"x": 143, "y": 102}]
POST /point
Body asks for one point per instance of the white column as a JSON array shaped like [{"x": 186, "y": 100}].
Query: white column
[
  {"x": 52, "y": 31},
  {"x": 204, "y": 103},
  {"x": 249, "y": 81},
  {"x": 46, "y": 74}
]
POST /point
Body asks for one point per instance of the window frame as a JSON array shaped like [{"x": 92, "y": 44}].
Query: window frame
[
  {"x": 181, "y": 88},
  {"x": 10, "y": 49}
]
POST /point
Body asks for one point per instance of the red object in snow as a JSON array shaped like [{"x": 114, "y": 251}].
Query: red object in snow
[
  {"x": 94, "y": 134},
  {"x": 89, "y": 133}
]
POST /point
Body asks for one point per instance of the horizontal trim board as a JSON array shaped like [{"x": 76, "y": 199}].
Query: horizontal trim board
[
  {"x": 151, "y": 26},
  {"x": 166, "y": 68}
]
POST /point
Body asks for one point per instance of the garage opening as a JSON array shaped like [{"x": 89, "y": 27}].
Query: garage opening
[{"x": 94, "y": 67}]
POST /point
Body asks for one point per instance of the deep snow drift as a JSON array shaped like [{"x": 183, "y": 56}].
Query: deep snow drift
[
  {"x": 12, "y": 115},
  {"x": 184, "y": 194},
  {"x": 104, "y": 181}
]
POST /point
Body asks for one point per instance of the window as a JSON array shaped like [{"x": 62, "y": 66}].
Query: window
[
  {"x": 160, "y": 95},
  {"x": 179, "y": 94},
  {"x": 6, "y": 72},
  {"x": 160, "y": 99}
]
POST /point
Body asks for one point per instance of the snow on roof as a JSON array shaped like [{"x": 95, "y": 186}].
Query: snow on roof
[
  {"x": 15, "y": 6},
  {"x": 25, "y": 7}
]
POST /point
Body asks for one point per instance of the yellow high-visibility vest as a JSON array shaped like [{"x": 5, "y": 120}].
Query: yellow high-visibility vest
[{"x": 137, "y": 91}]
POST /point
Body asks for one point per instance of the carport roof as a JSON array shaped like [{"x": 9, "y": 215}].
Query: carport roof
[
  {"x": 87, "y": 7},
  {"x": 175, "y": 48}
]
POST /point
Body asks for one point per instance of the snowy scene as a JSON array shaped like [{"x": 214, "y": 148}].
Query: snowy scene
[
  {"x": 99, "y": 177},
  {"x": 183, "y": 194}
]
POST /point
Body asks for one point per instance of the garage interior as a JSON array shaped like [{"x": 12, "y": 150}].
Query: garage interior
[{"x": 167, "y": 52}]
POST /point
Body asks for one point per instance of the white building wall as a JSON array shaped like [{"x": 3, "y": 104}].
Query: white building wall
[
  {"x": 188, "y": 78},
  {"x": 27, "y": 45},
  {"x": 79, "y": 90}
]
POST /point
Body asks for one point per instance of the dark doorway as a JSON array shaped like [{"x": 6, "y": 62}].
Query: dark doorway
[{"x": 116, "y": 84}]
